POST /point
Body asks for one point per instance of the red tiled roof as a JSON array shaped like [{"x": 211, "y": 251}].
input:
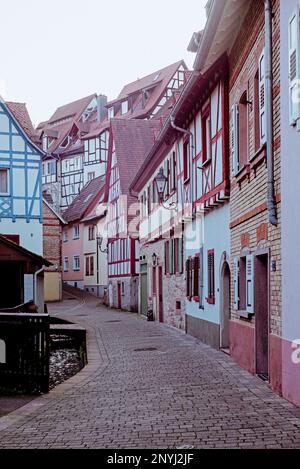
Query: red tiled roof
[
  {"x": 163, "y": 74},
  {"x": 19, "y": 110},
  {"x": 133, "y": 140},
  {"x": 74, "y": 109},
  {"x": 84, "y": 199}
]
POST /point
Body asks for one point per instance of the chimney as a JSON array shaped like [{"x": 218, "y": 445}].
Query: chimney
[{"x": 101, "y": 109}]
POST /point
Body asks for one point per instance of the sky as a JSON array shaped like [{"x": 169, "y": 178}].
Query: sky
[{"x": 54, "y": 52}]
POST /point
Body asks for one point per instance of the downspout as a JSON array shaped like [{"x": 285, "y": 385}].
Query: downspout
[
  {"x": 192, "y": 148},
  {"x": 35, "y": 283},
  {"x": 271, "y": 204}
]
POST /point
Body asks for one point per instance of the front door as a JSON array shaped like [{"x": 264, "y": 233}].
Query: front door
[
  {"x": 119, "y": 296},
  {"x": 262, "y": 315},
  {"x": 160, "y": 295},
  {"x": 225, "y": 307}
]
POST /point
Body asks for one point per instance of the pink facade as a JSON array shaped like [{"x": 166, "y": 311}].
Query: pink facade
[{"x": 72, "y": 246}]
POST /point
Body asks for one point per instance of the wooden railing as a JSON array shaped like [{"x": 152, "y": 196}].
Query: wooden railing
[{"x": 24, "y": 353}]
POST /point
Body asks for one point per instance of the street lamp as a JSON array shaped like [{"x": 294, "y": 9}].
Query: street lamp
[
  {"x": 99, "y": 243},
  {"x": 154, "y": 259},
  {"x": 160, "y": 182}
]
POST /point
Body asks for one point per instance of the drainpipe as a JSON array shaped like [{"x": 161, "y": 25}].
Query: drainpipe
[
  {"x": 271, "y": 205},
  {"x": 192, "y": 148},
  {"x": 35, "y": 283}
]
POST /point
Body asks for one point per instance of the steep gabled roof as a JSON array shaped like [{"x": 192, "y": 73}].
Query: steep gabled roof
[
  {"x": 84, "y": 200},
  {"x": 20, "y": 112},
  {"x": 133, "y": 140},
  {"x": 74, "y": 109},
  {"x": 163, "y": 75}
]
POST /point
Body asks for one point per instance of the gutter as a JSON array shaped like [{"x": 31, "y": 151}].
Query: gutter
[
  {"x": 35, "y": 283},
  {"x": 271, "y": 204}
]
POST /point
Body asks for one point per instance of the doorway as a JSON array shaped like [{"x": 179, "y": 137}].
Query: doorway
[
  {"x": 119, "y": 295},
  {"x": 12, "y": 284},
  {"x": 144, "y": 292},
  {"x": 225, "y": 307},
  {"x": 261, "y": 303},
  {"x": 160, "y": 295}
]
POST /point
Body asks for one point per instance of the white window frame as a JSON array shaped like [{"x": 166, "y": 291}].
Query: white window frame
[
  {"x": 76, "y": 263},
  {"x": 76, "y": 232},
  {"x": 65, "y": 235},
  {"x": 66, "y": 264},
  {"x": 124, "y": 107}
]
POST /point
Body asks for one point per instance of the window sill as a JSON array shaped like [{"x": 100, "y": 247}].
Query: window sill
[
  {"x": 206, "y": 163},
  {"x": 244, "y": 314},
  {"x": 259, "y": 157},
  {"x": 243, "y": 173}
]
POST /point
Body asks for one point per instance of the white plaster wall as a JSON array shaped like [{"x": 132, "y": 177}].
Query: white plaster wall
[
  {"x": 290, "y": 171},
  {"x": 31, "y": 234}
]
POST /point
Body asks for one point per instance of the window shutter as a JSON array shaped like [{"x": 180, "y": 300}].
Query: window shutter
[
  {"x": 236, "y": 269},
  {"x": 250, "y": 284},
  {"x": 180, "y": 255},
  {"x": 262, "y": 98},
  {"x": 171, "y": 256},
  {"x": 196, "y": 276},
  {"x": 166, "y": 257},
  {"x": 187, "y": 279},
  {"x": 211, "y": 274},
  {"x": 294, "y": 72},
  {"x": 201, "y": 286},
  {"x": 234, "y": 139}
]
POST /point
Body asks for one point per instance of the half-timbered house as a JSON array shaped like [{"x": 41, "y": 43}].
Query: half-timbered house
[
  {"x": 21, "y": 209},
  {"x": 129, "y": 143},
  {"x": 74, "y": 254},
  {"x": 186, "y": 235}
]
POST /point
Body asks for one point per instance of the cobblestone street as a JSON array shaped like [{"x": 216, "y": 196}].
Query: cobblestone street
[{"x": 178, "y": 392}]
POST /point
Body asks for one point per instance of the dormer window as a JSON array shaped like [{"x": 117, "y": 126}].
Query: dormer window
[
  {"x": 124, "y": 108},
  {"x": 111, "y": 112}
]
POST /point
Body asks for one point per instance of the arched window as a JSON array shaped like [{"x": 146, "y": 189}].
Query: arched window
[
  {"x": 2, "y": 351},
  {"x": 243, "y": 130}
]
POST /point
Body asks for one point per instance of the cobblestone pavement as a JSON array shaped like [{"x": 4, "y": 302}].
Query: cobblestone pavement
[{"x": 179, "y": 392}]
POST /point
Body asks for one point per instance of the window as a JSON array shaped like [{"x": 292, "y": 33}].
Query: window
[
  {"x": 91, "y": 233},
  {"x": 76, "y": 232},
  {"x": 243, "y": 130},
  {"x": 124, "y": 107},
  {"x": 294, "y": 72},
  {"x": 174, "y": 256},
  {"x": 45, "y": 143},
  {"x": 243, "y": 284},
  {"x": 51, "y": 167},
  {"x": 76, "y": 263},
  {"x": 66, "y": 264},
  {"x": 173, "y": 172},
  {"x": 77, "y": 163},
  {"x": 206, "y": 136},
  {"x": 4, "y": 181},
  {"x": 91, "y": 176},
  {"x": 65, "y": 234},
  {"x": 211, "y": 276},
  {"x": 256, "y": 112},
  {"x": 89, "y": 266},
  {"x": 186, "y": 160},
  {"x": 193, "y": 277},
  {"x": 110, "y": 112}
]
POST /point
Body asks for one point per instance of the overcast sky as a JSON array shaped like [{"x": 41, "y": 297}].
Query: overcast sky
[{"x": 53, "y": 52}]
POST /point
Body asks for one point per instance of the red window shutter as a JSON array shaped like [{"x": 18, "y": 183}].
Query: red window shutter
[
  {"x": 92, "y": 265},
  {"x": 211, "y": 275},
  {"x": 176, "y": 241},
  {"x": 187, "y": 268},
  {"x": 196, "y": 276}
]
